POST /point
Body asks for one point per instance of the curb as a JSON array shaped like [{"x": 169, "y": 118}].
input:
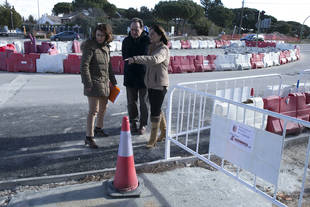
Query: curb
[{"x": 150, "y": 167}]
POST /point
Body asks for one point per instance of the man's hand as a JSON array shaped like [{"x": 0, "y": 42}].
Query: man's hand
[{"x": 129, "y": 60}]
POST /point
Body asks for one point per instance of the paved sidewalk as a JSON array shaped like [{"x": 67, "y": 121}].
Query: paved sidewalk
[{"x": 194, "y": 187}]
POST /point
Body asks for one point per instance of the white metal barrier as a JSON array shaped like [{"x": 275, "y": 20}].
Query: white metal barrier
[{"x": 242, "y": 150}]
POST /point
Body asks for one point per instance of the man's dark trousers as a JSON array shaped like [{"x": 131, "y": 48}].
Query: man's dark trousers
[{"x": 132, "y": 98}]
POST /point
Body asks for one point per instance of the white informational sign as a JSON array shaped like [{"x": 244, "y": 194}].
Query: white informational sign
[
  {"x": 242, "y": 136},
  {"x": 252, "y": 149}
]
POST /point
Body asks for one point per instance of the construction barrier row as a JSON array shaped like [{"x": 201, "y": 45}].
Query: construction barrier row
[
  {"x": 27, "y": 47},
  {"x": 269, "y": 37},
  {"x": 12, "y": 61}
]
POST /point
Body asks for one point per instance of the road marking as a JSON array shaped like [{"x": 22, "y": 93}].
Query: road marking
[
  {"x": 121, "y": 113},
  {"x": 9, "y": 90},
  {"x": 67, "y": 130}
]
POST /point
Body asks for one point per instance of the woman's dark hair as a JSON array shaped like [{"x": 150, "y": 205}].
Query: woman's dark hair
[
  {"x": 160, "y": 31},
  {"x": 106, "y": 29}
]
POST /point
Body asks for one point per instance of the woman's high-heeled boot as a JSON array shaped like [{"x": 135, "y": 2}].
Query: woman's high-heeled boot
[
  {"x": 153, "y": 136},
  {"x": 91, "y": 142},
  {"x": 162, "y": 127}
]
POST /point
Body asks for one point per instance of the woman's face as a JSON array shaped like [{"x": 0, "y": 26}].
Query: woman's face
[
  {"x": 154, "y": 37},
  {"x": 100, "y": 36}
]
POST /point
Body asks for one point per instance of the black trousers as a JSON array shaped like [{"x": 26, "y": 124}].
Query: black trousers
[
  {"x": 133, "y": 95},
  {"x": 156, "y": 98}
]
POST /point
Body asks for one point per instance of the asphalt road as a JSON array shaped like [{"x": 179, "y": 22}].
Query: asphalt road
[{"x": 43, "y": 118}]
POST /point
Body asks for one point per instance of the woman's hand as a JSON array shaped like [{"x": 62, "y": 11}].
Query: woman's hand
[
  {"x": 130, "y": 60},
  {"x": 88, "y": 89}
]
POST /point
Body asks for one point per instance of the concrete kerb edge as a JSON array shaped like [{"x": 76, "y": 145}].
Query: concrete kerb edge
[{"x": 140, "y": 168}]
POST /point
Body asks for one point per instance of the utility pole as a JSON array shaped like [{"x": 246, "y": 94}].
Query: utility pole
[
  {"x": 241, "y": 17},
  {"x": 38, "y": 14},
  {"x": 12, "y": 26},
  {"x": 258, "y": 27}
]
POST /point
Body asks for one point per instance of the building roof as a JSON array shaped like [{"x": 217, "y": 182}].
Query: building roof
[{"x": 52, "y": 20}]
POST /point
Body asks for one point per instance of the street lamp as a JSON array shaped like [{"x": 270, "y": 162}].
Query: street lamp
[{"x": 300, "y": 36}]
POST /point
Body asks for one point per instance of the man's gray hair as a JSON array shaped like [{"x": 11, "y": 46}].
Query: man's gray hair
[{"x": 136, "y": 19}]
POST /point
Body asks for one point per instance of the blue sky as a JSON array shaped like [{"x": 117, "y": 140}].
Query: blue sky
[{"x": 286, "y": 10}]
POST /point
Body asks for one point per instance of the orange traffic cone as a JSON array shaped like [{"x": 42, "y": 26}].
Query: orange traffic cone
[{"x": 125, "y": 182}]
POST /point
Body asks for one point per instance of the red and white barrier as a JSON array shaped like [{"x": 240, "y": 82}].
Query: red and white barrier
[{"x": 51, "y": 63}]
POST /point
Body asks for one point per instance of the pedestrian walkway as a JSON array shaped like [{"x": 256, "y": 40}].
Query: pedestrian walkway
[{"x": 183, "y": 187}]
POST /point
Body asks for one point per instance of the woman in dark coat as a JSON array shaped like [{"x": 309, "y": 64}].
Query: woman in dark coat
[{"x": 97, "y": 75}]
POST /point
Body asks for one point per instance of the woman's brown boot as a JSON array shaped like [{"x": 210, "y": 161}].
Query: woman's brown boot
[
  {"x": 153, "y": 136},
  {"x": 91, "y": 142},
  {"x": 163, "y": 128}
]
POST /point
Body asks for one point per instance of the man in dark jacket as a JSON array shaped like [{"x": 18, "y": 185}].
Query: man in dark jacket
[{"x": 136, "y": 44}]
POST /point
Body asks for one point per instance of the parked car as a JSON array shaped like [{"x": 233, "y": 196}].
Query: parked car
[
  {"x": 253, "y": 37},
  {"x": 65, "y": 36}
]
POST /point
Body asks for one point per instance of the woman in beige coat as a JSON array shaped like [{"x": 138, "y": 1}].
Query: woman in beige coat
[
  {"x": 156, "y": 79},
  {"x": 97, "y": 75}
]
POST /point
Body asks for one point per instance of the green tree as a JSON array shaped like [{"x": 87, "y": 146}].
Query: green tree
[
  {"x": 209, "y": 4},
  {"x": 6, "y": 12},
  {"x": 179, "y": 11},
  {"x": 282, "y": 27},
  {"x": 131, "y": 13},
  {"x": 62, "y": 8},
  {"x": 249, "y": 18},
  {"x": 221, "y": 16},
  {"x": 31, "y": 19},
  {"x": 108, "y": 8}
]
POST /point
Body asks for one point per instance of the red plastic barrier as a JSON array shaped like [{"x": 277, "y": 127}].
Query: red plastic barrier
[
  {"x": 185, "y": 44},
  {"x": 226, "y": 42},
  {"x": 282, "y": 58},
  {"x": 3, "y": 59},
  {"x": 117, "y": 64},
  {"x": 257, "y": 61},
  {"x": 218, "y": 43},
  {"x": 288, "y": 106},
  {"x": 191, "y": 60},
  {"x": 187, "y": 65},
  {"x": 287, "y": 55},
  {"x": 17, "y": 62},
  {"x": 272, "y": 103},
  {"x": 29, "y": 47},
  {"x": 8, "y": 47},
  {"x": 307, "y": 98},
  {"x": 204, "y": 63},
  {"x": 303, "y": 108},
  {"x": 294, "y": 105},
  {"x": 72, "y": 64},
  {"x": 181, "y": 64},
  {"x": 76, "y": 47},
  {"x": 272, "y": 44},
  {"x": 297, "y": 53},
  {"x": 176, "y": 64}
]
